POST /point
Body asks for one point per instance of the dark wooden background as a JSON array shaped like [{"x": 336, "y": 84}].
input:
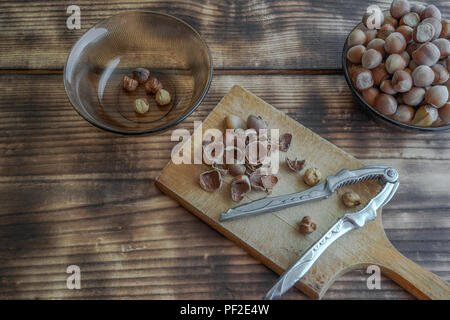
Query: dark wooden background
[{"x": 72, "y": 194}]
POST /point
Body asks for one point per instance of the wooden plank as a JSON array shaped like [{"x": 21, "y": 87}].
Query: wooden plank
[
  {"x": 241, "y": 35},
  {"x": 71, "y": 193}
]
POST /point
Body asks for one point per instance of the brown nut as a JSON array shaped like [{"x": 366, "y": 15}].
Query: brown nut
[
  {"x": 417, "y": 8},
  {"x": 362, "y": 78},
  {"x": 379, "y": 74},
  {"x": 370, "y": 95},
  {"x": 355, "y": 54},
  {"x": 365, "y": 19},
  {"x": 441, "y": 74},
  {"x": 406, "y": 57},
  {"x": 444, "y": 113},
  {"x": 411, "y": 19},
  {"x": 233, "y": 122},
  {"x": 386, "y": 87},
  {"x": 436, "y": 24},
  {"x": 431, "y": 11},
  {"x": 371, "y": 59},
  {"x": 425, "y": 116},
  {"x": 312, "y": 176},
  {"x": 356, "y": 37},
  {"x": 370, "y": 35},
  {"x": 427, "y": 54},
  {"x": 351, "y": 199},
  {"x": 404, "y": 113},
  {"x": 394, "y": 63},
  {"x": 129, "y": 84},
  {"x": 163, "y": 97},
  {"x": 386, "y": 104},
  {"x": 307, "y": 225},
  {"x": 412, "y": 65},
  {"x": 141, "y": 105},
  {"x": 377, "y": 44},
  {"x": 399, "y": 8},
  {"x": 256, "y": 122},
  {"x": 407, "y": 33},
  {"x": 423, "y": 32},
  {"x": 210, "y": 180},
  {"x": 437, "y": 96},
  {"x": 412, "y": 47},
  {"x": 423, "y": 76},
  {"x": 395, "y": 43},
  {"x": 445, "y": 33},
  {"x": 402, "y": 81},
  {"x": 153, "y": 85},
  {"x": 443, "y": 46},
  {"x": 141, "y": 75},
  {"x": 414, "y": 97},
  {"x": 385, "y": 31}
]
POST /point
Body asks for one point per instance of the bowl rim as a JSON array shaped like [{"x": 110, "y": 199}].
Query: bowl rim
[
  {"x": 159, "y": 129},
  {"x": 372, "y": 109}
]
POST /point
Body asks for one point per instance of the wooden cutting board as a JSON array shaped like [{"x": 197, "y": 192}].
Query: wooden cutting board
[{"x": 274, "y": 238}]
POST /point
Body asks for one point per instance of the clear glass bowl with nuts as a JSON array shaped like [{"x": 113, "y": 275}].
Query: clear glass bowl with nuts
[
  {"x": 400, "y": 72},
  {"x": 138, "y": 72}
]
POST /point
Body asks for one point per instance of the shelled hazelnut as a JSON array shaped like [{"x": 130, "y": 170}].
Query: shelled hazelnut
[
  {"x": 129, "y": 84},
  {"x": 402, "y": 69},
  {"x": 162, "y": 97},
  {"x": 153, "y": 85}
]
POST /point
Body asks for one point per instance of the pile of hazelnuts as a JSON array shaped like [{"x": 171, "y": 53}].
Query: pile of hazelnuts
[
  {"x": 402, "y": 68},
  {"x": 152, "y": 86}
]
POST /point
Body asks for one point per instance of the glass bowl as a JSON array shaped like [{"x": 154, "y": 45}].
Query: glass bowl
[
  {"x": 167, "y": 46},
  {"x": 386, "y": 120}
]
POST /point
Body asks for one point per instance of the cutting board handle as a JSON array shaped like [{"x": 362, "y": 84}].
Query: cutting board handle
[{"x": 412, "y": 277}]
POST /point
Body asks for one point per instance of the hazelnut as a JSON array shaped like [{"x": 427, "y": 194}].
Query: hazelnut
[
  {"x": 423, "y": 32},
  {"x": 395, "y": 43},
  {"x": 436, "y": 24},
  {"x": 443, "y": 46},
  {"x": 399, "y": 8},
  {"x": 425, "y": 116},
  {"x": 370, "y": 35},
  {"x": 427, "y": 54},
  {"x": 402, "y": 81},
  {"x": 386, "y": 87},
  {"x": 141, "y": 105},
  {"x": 371, "y": 59},
  {"x": 153, "y": 85},
  {"x": 307, "y": 225},
  {"x": 410, "y": 19},
  {"x": 370, "y": 95},
  {"x": 388, "y": 19},
  {"x": 441, "y": 74},
  {"x": 351, "y": 199},
  {"x": 367, "y": 15},
  {"x": 412, "y": 47},
  {"x": 444, "y": 113},
  {"x": 437, "y": 96},
  {"x": 406, "y": 57},
  {"x": 362, "y": 78},
  {"x": 162, "y": 97},
  {"x": 417, "y": 8},
  {"x": 431, "y": 11},
  {"x": 404, "y": 113},
  {"x": 141, "y": 75},
  {"x": 423, "y": 76},
  {"x": 233, "y": 122},
  {"x": 394, "y": 63},
  {"x": 129, "y": 84},
  {"x": 379, "y": 74},
  {"x": 312, "y": 176},
  {"x": 412, "y": 65},
  {"x": 377, "y": 44},
  {"x": 385, "y": 31},
  {"x": 355, "y": 54},
  {"x": 356, "y": 37},
  {"x": 407, "y": 33},
  {"x": 256, "y": 123},
  {"x": 386, "y": 104},
  {"x": 414, "y": 96},
  {"x": 445, "y": 33}
]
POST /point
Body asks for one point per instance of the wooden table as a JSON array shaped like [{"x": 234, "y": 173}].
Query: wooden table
[{"x": 73, "y": 194}]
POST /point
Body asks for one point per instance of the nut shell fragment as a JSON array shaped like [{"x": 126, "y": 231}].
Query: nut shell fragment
[
  {"x": 285, "y": 142},
  {"x": 210, "y": 180},
  {"x": 269, "y": 182},
  {"x": 295, "y": 165},
  {"x": 240, "y": 186}
]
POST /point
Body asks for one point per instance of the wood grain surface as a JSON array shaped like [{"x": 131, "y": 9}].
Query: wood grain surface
[{"x": 73, "y": 194}]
